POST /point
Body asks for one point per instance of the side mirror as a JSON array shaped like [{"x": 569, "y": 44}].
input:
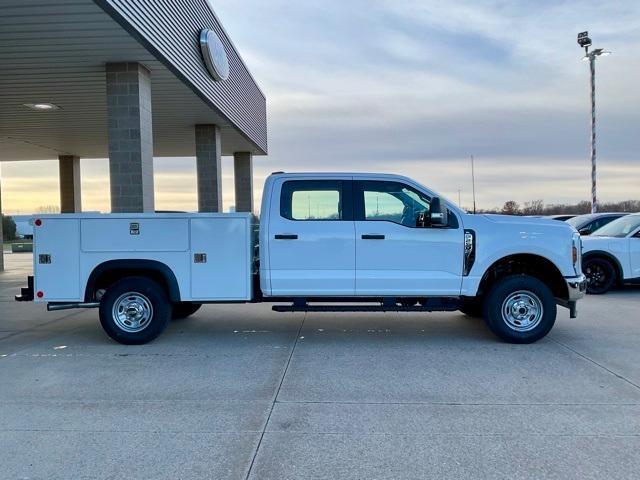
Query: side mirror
[
  {"x": 584, "y": 231},
  {"x": 439, "y": 214}
]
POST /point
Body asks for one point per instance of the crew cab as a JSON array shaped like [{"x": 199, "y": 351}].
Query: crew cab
[
  {"x": 325, "y": 242},
  {"x": 612, "y": 255}
]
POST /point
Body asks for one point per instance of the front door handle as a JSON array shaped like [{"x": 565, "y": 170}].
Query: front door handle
[
  {"x": 283, "y": 236},
  {"x": 370, "y": 236}
]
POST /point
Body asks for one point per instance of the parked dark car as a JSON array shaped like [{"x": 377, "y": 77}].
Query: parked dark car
[
  {"x": 563, "y": 217},
  {"x": 589, "y": 223}
]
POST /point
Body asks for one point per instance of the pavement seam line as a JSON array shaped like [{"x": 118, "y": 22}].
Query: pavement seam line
[
  {"x": 275, "y": 397},
  {"x": 615, "y": 374},
  {"x": 38, "y": 327}
]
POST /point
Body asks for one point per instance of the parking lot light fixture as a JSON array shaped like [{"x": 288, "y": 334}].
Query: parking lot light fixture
[{"x": 585, "y": 42}]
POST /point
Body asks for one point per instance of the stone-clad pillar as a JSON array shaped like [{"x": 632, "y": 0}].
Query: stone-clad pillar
[
  {"x": 70, "y": 193},
  {"x": 243, "y": 180},
  {"x": 208, "y": 159},
  {"x": 130, "y": 137}
]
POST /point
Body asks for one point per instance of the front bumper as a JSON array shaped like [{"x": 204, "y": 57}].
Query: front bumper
[{"x": 577, "y": 287}]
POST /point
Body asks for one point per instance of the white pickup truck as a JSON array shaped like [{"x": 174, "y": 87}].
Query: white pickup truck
[{"x": 327, "y": 242}]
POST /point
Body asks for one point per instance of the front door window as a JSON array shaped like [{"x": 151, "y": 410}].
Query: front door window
[{"x": 393, "y": 202}]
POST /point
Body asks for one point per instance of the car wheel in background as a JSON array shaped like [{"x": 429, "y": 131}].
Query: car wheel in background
[{"x": 601, "y": 275}]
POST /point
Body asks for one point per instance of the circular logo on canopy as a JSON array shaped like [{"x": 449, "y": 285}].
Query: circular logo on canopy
[{"x": 214, "y": 55}]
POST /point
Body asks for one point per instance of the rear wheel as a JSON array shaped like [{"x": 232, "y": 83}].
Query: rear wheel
[
  {"x": 600, "y": 274},
  {"x": 520, "y": 309},
  {"x": 134, "y": 310},
  {"x": 184, "y": 309}
]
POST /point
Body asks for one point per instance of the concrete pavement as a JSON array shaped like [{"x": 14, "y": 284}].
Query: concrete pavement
[{"x": 239, "y": 391}]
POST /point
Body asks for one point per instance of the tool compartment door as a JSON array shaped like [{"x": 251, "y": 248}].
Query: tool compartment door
[
  {"x": 220, "y": 258},
  {"x": 57, "y": 260}
]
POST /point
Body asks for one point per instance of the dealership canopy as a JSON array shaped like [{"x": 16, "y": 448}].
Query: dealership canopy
[{"x": 127, "y": 80}]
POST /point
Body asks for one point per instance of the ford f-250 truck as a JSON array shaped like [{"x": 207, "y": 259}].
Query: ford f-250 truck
[{"x": 327, "y": 242}]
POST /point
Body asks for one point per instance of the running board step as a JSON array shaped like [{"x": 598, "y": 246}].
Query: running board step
[{"x": 435, "y": 306}]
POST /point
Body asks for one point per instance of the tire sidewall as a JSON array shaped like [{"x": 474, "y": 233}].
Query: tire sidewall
[
  {"x": 609, "y": 272},
  {"x": 156, "y": 296},
  {"x": 501, "y": 290}
]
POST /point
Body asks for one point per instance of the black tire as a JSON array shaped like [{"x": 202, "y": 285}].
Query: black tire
[
  {"x": 520, "y": 309},
  {"x": 601, "y": 275},
  {"x": 184, "y": 310},
  {"x": 472, "y": 308},
  {"x": 149, "y": 306}
]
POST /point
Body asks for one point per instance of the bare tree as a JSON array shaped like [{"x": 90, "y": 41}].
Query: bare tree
[
  {"x": 511, "y": 208},
  {"x": 534, "y": 207},
  {"x": 48, "y": 209}
]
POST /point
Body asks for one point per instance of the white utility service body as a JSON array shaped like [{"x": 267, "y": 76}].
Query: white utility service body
[
  {"x": 210, "y": 255},
  {"x": 334, "y": 238}
]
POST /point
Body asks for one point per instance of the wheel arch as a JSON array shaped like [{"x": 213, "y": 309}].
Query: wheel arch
[
  {"x": 617, "y": 266},
  {"x": 535, "y": 265},
  {"x": 105, "y": 274}
]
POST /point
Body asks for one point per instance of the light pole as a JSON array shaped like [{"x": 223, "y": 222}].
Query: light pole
[
  {"x": 473, "y": 182},
  {"x": 585, "y": 42}
]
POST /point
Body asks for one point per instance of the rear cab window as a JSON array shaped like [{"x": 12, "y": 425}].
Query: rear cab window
[{"x": 314, "y": 200}]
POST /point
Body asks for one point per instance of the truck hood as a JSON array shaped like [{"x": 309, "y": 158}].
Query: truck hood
[
  {"x": 526, "y": 221},
  {"x": 528, "y": 224},
  {"x": 521, "y": 227}
]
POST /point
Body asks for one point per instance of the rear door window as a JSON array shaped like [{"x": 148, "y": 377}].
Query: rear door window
[{"x": 313, "y": 200}]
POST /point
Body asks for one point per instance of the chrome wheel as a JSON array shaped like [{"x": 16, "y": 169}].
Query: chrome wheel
[
  {"x": 132, "y": 312},
  {"x": 522, "y": 311}
]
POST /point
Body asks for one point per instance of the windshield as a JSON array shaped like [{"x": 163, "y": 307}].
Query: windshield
[
  {"x": 619, "y": 228},
  {"x": 577, "y": 222}
]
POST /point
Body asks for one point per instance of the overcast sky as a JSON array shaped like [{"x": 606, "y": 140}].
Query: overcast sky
[{"x": 416, "y": 87}]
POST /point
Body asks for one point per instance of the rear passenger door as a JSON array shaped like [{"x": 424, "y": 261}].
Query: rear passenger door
[{"x": 312, "y": 238}]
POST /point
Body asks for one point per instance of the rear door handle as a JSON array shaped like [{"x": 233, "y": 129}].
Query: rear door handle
[
  {"x": 370, "y": 236},
  {"x": 283, "y": 236}
]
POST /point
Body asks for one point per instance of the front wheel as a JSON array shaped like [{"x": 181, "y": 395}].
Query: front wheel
[
  {"x": 134, "y": 310},
  {"x": 520, "y": 309}
]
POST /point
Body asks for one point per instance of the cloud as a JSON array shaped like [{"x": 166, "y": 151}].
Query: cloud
[{"x": 416, "y": 86}]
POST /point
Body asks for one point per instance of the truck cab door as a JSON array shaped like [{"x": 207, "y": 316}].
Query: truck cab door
[
  {"x": 396, "y": 257},
  {"x": 311, "y": 238}
]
